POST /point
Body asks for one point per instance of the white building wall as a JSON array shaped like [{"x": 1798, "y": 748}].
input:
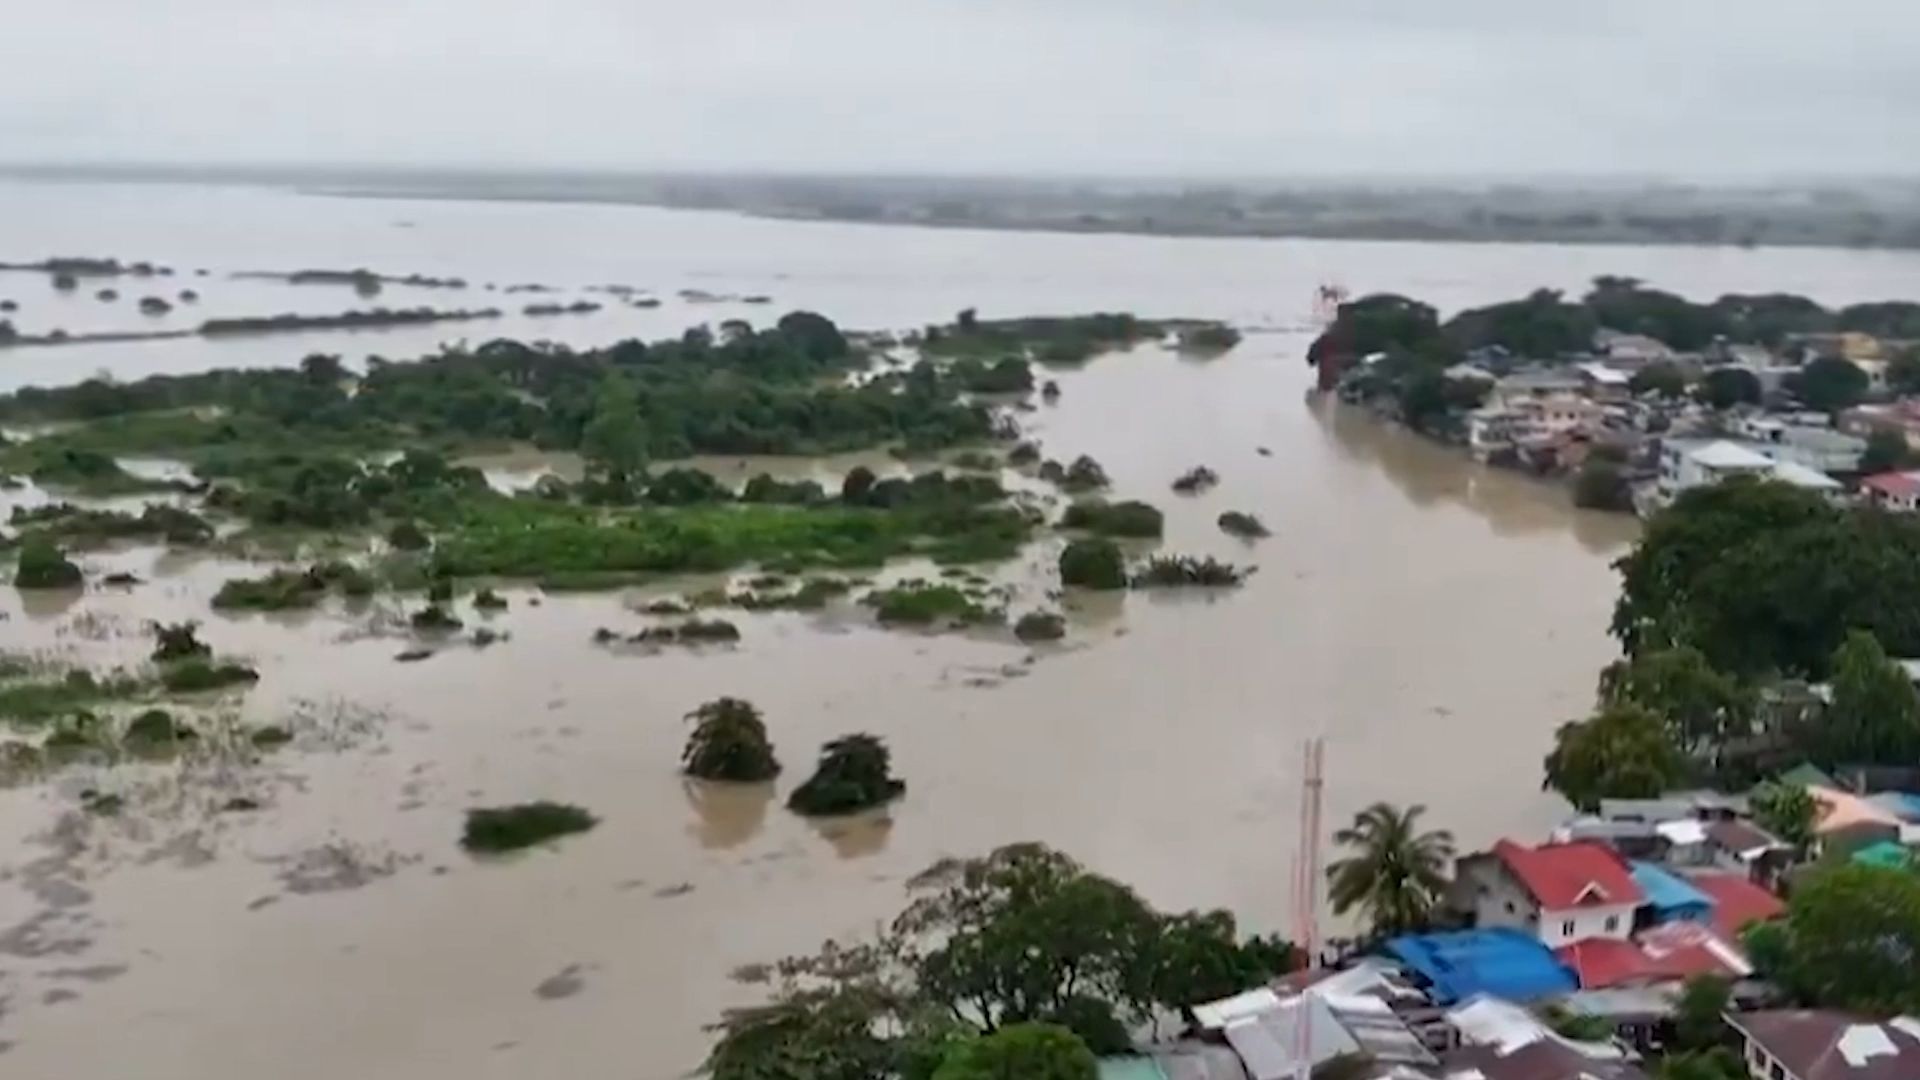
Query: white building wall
[{"x": 1567, "y": 926}]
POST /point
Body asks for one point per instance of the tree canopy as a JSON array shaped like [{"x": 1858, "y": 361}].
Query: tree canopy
[
  {"x": 1874, "y": 715},
  {"x": 1021, "y": 1052},
  {"x": 1829, "y": 384},
  {"x": 1700, "y": 707},
  {"x": 1849, "y": 941},
  {"x": 1020, "y": 937},
  {"x": 1725, "y": 387},
  {"x": 1622, "y": 752},
  {"x": 1761, "y": 577}
]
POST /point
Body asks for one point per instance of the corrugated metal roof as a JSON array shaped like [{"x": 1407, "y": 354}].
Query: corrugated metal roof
[
  {"x": 1199, "y": 1061},
  {"x": 1130, "y": 1068},
  {"x": 1670, "y": 894}
]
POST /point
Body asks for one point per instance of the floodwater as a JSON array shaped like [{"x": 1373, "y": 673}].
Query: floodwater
[{"x": 1433, "y": 620}]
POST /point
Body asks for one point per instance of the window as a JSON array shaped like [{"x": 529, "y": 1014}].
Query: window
[
  {"x": 1613, "y": 923},
  {"x": 1509, "y": 907},
  {"x": 1777, "y": 1072},
  {"x": 1566, "y": 928}
]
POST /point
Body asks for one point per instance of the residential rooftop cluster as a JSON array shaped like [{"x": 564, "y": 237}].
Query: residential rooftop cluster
[
  {"x": 1638, "y": 419},
  {"x": 1571, "y": 958}
]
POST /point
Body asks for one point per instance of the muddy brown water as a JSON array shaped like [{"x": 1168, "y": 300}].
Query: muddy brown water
[{"x": 1433, "y": 620}]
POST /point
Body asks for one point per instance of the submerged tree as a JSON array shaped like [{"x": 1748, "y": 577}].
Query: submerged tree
[
  {"x": 1396, "y": 873},
  {"x": 178, "y": 641},
  {"x": 1621, "y": 753},
  {"x": 729, "y": 742},
  {"x": 615, "y": 439},
  {"x": 43, "y": 565},
  {"x": 855, "y": 772}
]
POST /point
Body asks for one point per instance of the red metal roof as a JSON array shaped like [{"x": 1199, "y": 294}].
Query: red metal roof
[
  {"x": 1737, "y": 902},
  {"x": 1681, "y": 950},
  {"x": 1571, "y": 875},
  {"x": 1604, "y": 962},
  {"x": 1899, "y": 484}
]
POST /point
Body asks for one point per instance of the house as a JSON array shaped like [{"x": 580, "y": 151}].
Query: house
[
  {"x": 1805, "y": 440},
  {"x": 1818, "y": 1044},
  {"x": 1737, "y": 902},
  {"x": 1538, "y": 382},
  {"x": 1603, "y": 383},
  {"x": 1847, "y": 822},
  {"x": 1686, "y": 464},
  {"x": 1670, "y": 898},
  {"x": 1631, "y": 350},
  {"x": 1542, "y": 1060},
  {"x": 1494, "y": 428},
  {"x": 1561, "y": 893},
  {"x": 1460, "y": 964},
  {"x": 1900, "y": 417},
  {"x": 1746, "y": 848},
  {"x": 1895, "y": 492}
]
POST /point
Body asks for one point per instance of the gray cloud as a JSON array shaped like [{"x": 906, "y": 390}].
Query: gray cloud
[{"x": 1719, "y": 87}]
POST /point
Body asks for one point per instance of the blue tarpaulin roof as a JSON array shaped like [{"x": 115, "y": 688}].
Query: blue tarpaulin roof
[
  {"x": 1502, "y": 962},
  {"x": 1903, "y": 805},
  {"x": 1670, "y": 895}
]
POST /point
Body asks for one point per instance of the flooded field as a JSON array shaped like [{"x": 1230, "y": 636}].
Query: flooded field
[{"x": 1432, "y": 619}]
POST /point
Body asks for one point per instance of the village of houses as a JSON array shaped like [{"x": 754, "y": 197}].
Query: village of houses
[
  {"x": 1603, "y": 923},
  {"x": 1571, "y": 954},
  {"x": 1549, "y": 417}
]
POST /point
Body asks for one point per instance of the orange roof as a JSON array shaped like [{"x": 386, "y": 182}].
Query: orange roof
[{"x": 1841, "y": 810}]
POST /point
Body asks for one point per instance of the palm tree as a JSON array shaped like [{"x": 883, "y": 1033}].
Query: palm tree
[{"x": 1396, "y": 872}]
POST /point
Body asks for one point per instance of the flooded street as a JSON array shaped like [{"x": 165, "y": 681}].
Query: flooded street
[{"x": 1433, "y": 620}]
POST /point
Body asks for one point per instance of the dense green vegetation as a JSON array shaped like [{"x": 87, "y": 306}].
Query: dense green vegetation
[
  {"x": 283, "y": 590},
  {"x": 1093, "y": 564},
  {"x": 1765, "y": 578},
  {"x": 923, "y": 603},
  {"x": 1173, "y": 571},
  {"x": 1131, "y": 518},
  {"x": 74, "y": 524},
  {"x": 509, "y": 828},
  {"x": 42, "y": 565},
  {"x": 1848, "y": 940},
  {"x": 854, "y": 773},
  {"x": 729, "y": 742},
  {"x": 1021, "y": 937},
  {"x": 1046, "y": 339},
  {"x": 1028, "y": 1051},
  {"x": 1196, "y": 480}
]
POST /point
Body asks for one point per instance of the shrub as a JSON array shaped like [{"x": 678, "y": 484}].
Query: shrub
[
  {"x": 1244, "y": 526},
  {"x": 192, "y": 676},
  {"x": 509, "y": 828},
  {"x": 1093, "y": 564},
  {"x": 729, "y": 742},
  {"x": 44, "y": 566},
  {"x": 1167, "y": 571},
  {"x": 854, "y": 773},
  {"x": 434, "y": 619},
  {"x": 1040, "y": 626},
  {"x": 488, "y": 600},
  {"x": 280, "y": 590},
  {"x": 921, "y": 603},
  {"x": 1024, "y": 453},
  {"x": 1131, "y": 518},
  {"x": 154, "y": 727},
  {"x": 1195, "y": 480},
  {"x": 1085, "y": 474},
  {"x": 408, "y": 536}
]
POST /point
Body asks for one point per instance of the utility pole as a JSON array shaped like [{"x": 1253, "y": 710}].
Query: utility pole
[{"x": 1306, "y": 889}]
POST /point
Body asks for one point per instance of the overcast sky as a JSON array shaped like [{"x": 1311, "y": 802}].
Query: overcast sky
[{"x": 1191, "y": 87}]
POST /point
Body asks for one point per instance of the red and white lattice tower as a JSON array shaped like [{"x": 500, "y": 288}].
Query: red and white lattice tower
[{"x": 1306, "y": 888}]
